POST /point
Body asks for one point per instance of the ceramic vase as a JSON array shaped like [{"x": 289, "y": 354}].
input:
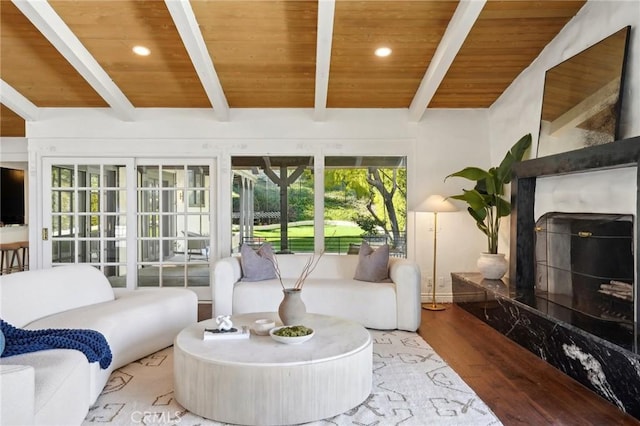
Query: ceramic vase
[
  {"x": 292, "y": 309},
  {"x": 492, "y": 266}
]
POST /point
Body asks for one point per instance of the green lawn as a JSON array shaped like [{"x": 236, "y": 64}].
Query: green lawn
[{"x": 337, "y": 237}]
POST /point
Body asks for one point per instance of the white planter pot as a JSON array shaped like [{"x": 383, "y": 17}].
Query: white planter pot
[{"x": 492, "y": 266}]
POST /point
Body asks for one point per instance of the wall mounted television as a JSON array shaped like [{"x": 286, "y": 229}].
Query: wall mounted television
[
  {"x": 11, "y": 196},
  {"x": 583, "y": 97}
]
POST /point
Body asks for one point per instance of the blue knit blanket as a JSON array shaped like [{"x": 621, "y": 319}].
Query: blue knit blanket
[{"x": 90, "y": 342}]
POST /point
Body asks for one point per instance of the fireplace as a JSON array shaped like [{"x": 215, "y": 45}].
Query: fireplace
[
  {"x": 562, "y": 302},
  {"x": 584, "y": 270}
]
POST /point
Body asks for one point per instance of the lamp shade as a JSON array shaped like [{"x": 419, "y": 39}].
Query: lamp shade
[{"x": 436, "y": 204}]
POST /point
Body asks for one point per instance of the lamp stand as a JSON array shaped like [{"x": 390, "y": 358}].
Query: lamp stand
[{"x": 433, "y": 306}]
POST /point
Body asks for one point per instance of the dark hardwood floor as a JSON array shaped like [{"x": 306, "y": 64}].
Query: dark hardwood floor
[{"x": 519, "y": 387}]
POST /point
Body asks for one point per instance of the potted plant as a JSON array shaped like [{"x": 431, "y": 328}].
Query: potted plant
[{"x": 487, "y": 205}]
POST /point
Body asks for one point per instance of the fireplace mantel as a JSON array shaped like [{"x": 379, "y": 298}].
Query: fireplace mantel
[{"x": 622, "y": 153}]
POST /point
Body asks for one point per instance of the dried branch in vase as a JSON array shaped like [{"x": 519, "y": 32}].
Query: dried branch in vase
[{"x": 308, "y": 268}]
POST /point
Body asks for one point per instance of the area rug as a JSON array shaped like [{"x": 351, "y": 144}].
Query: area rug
[{"x": 412, "y": 386}]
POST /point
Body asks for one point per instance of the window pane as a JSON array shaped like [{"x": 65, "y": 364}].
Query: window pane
[
  {"x": 272, "y": 191},
  {"x": 115, "y": 251},
  {"x": 149, "y": 201},
  {"x": 62, "y": 226},
  {"x": 149, "y": 250},
  {"x": 198, "y": 275},
  {"x": 61, "y": 201},
  {"x": 62, "y": 251},
  {"x": 61, "y": 176},
  {"x": 113, "y": 177},
  {"x": 365, "y": 199},
  {"x": 114, "y": 201},
  {"x": 89, "y": 252},
  {"x": 148, "y": 276}
]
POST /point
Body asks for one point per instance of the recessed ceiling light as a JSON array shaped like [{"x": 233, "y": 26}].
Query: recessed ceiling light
[
  {"x": 382, "y": 52},
  {"x": 141, "y": 50}
]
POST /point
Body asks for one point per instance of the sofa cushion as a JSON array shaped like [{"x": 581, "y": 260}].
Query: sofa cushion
[
  {"x": 358, "y": 301},
  {"x": 20, "y": 401},
  {"x": 30, "y": 295},
  {"x": 373, "y": 264},
  {"x": 257, "y": 265},
  {"x": 136, "y": 323},
  {"x": 61, "y": 380}
]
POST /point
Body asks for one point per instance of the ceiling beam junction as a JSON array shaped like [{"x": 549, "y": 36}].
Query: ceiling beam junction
[
  {"x": 189, "y": 31},
  {"x": 49, "y": 23},
  {"x": 17, "y": 103},
  {"x": 457, "y": 31},
  {"x": 326, "y": 11}
]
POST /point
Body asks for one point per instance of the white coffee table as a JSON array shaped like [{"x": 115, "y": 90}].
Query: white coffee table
[{"x": 258, "y": 381}]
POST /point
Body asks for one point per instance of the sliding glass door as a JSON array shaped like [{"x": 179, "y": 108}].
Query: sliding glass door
[
  {"x": 86, "y": 220},
  {"x": 143, "y": 222},
  {"x": 174, "y": 233}
]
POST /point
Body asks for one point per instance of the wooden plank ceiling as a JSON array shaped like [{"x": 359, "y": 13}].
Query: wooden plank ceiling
[{"x": 264, "y": 53}]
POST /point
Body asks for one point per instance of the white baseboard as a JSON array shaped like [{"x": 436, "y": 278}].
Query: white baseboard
[{"x": 440, "y": 297}]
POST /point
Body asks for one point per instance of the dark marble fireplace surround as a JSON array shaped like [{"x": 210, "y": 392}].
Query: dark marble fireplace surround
[{"x": 511, "y": 306}]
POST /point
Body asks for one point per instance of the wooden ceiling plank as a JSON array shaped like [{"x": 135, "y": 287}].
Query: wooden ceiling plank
[
  {"x": 459, "y": 27},
  {"x": 189, "y": 31},
  {"x": 47, "y": 21},
  {"x": 15, "y": 101},
  {"x": 326, "y": 11}
]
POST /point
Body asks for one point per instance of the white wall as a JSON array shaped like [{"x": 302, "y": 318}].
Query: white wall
[
  {"x": 448, "y": 140},
  {"x": 517, "y": 111},
  {"x": 435, "y": 147}
]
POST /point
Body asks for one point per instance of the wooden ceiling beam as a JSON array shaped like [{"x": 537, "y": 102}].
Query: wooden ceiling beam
[
  {"x": 454, "y": 36},
  {"x": 17, "y": 103},
  {"x": 189, "y": 31},
  {"x": 47, "y": 21},
  {"x": 326, "y": 11}
]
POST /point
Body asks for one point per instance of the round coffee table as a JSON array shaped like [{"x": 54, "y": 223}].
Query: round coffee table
[{"x": 260, "y": 381}]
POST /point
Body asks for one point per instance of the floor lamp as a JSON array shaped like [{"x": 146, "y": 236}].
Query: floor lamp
[{"x": 435, "y": 204}]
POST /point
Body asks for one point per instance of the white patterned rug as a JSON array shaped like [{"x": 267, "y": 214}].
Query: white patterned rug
[{"x": 412, "y": 386}]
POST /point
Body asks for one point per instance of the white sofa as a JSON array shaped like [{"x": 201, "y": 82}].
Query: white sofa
[
  {"x": 329, "y": 290},
  {"x": 58, "y": 386}
]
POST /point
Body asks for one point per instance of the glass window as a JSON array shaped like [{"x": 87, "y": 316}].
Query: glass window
[
  {"x": 365, "y": 199},
  {"x": 273, "y": 201}
]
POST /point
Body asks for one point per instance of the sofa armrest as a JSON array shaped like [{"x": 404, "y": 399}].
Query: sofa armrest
[
  {"x": 226, "y": 273},
  {"x": 406, "y": 276},
  {"x": 17, "y": 394}
]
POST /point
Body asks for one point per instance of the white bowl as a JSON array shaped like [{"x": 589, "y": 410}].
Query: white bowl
[
  {"x": 289, "y": 340},
  {"x": 262, "y": 326}
]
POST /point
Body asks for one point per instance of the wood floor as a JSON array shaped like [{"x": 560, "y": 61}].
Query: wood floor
[{"x": 520, "y": 388}]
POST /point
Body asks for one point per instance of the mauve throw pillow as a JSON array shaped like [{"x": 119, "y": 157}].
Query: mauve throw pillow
[
  {"x": 373, "y": 265},
  {"x": 257, "y": 265}
]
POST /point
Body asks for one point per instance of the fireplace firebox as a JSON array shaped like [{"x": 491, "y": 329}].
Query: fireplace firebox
[{"x": 584, "y": 268}]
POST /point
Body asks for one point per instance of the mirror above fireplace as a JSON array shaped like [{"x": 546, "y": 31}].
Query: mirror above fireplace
[{"x": 582, "y": 97}]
